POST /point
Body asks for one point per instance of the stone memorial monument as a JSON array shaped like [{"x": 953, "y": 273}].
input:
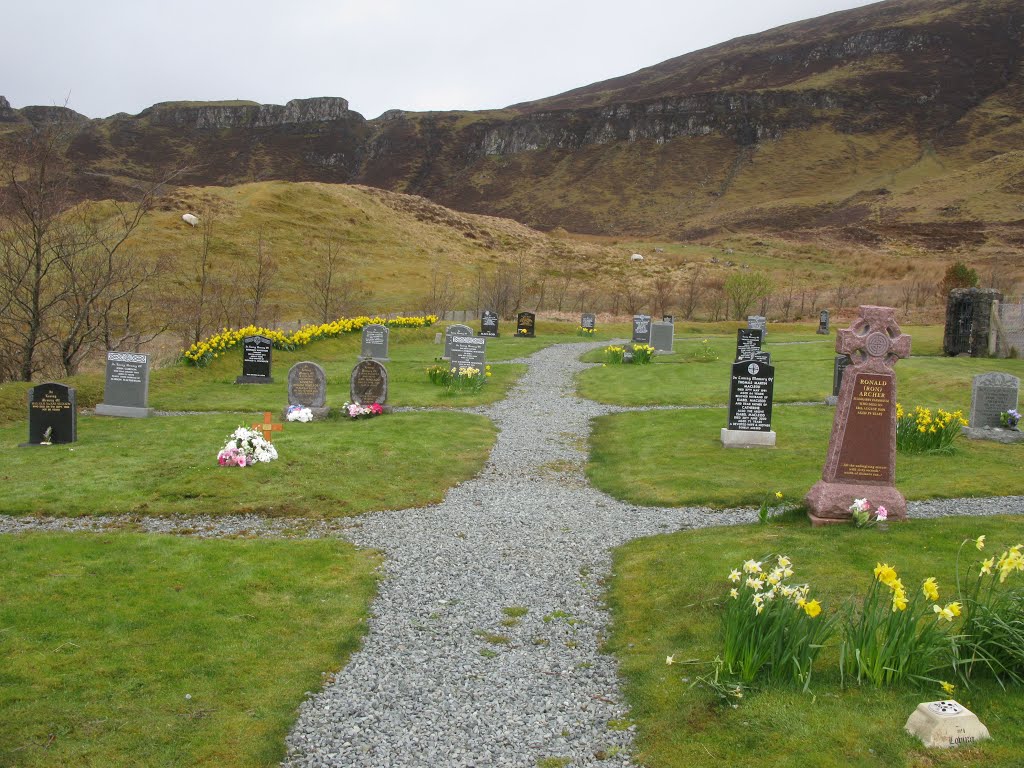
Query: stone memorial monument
[
  {"x": 451, "y": 332},
  {"x": 760, "y": 322},
  {"x": 489, "y": 324},
  {"x": 52, "y": 414},
  {"x": 525, "y": 324},
  {"x": 307, "y": 387},
  {"x": 369, "y": 383},
  {"x": 641, "y": 329},
  {"x": 838, "y": 366},
  {"x": 588, "y": 321},
  {"x": 748, "y": 342},
  {"x": 861, "y": 459},
  {"x": 376, "y": 338},
  {"x": 256, "y": 359},
  {"x": 126, "y": 392},
  {"x": 662, "y": 336},
  {"x": 469, "y": 352},
  {"x": 823, "y": 323},
  {"x": 969, "y": 321},
  {"x": 750, "y": 406},
  {"x": 668, "y": 319},
  {"x": 993, "y": 394},
  {"x": 945, "y": 724}
]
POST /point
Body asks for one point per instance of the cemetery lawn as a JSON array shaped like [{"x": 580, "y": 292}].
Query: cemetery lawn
[
  {"x": 168, "y": 465},
  {"x": 675, "y": 458},
  {"x": 665, "y": 598},
  {"x": 125, "y": 650}
]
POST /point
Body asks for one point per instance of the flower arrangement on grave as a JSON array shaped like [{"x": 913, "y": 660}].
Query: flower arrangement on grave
[
  {"x": 862, "y": 515},
  {"x": 299, "y": 413},
  {"x": 921, "y": 432},
  {"x": 205, "y": 351},
  {"x": 581, "y": 331},
  {"x": 459, "y": 379},
  {"x": 1010, "y": 419},
  {"x": 246, "y": 447},
  {"x": 642, "y": 354},
  {"x": 614, "y": 354},
  {"x": 356, "y": 410},
  {"x": 523, "y": 331}
]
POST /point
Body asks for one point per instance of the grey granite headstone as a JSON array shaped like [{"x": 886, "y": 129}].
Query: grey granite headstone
[
  {"x": 823, "y": 323},
  {"x": 759, "y": 321},
  {"x": 991, "y": 395},
  {"x": 662, "y": 336},
  {"x": 126, "y": 392},
  {"x": 307, "y": 387},
  {"x": 450, "y": 332},
  {"x": 469, "y": 352},
  {"x": 375, "y": 342},
  {"x": 369, "y": 383},
  {"x": 256, "y": 360},
  {"x": 52, "y": 406}
]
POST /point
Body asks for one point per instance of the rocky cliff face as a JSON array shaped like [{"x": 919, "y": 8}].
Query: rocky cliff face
[{"x": 793, "y": 112}]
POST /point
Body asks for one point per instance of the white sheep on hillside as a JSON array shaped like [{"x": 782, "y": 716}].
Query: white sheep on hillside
[
  {"x": 190, "y": 218},
  {"x": 636, "y": 257}
]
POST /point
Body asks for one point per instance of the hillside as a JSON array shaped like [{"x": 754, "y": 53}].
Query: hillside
[{"x": 898, "y": 123}]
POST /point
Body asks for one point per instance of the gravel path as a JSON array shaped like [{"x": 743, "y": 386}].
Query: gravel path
[{"x": 483, "y": 646}]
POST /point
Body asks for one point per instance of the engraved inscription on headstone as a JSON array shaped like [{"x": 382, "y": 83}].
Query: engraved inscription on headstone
[
  {"x": 369, "y": 383},
  {"x": 451, "y": 332},
  {"x": 256, "y": 360},
  {"x": 991, "y": 395},
  {"x": 525, "y": 324},
  {"x": 52, "y": 406},
  {"x": 469, "y": 352},
  {"x": 126, "y": 392},
  {"x": 864, "y": 451},
  {"x": 641, "y": 329},
  {"x": 662, "y": 336},
  {"x": 307, "y": 385},
  {"x": 489, "y": 324},
  {"x": 375, "y": 342},
  {"x": 748, "y": 342},
  {"x": 750, "y": 396},
  {"x": 588, "y": 321},
  {"x": 945, "y": 724}
]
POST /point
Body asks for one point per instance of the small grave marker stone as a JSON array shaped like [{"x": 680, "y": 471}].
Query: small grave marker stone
[
  {"x": 839, "y": 364},
  {"x": 588, "y": 321},
  {"x": 256, "y": 359},
  {"x": 52, "y": 414},
  {"x": 489, "y": 324},
  {"x": 526, "y": 324},
  {"x": 823, "y": 322},
  {"x": 748, "y": 342},
  {"x": 126, "y": 392},
  {"x": 307, "y": 387},
  {"x": 668, "y": 319},
  {"x": 760, "y": 322},
  {"x": 750, "y": 406},
  {"x": 991, "y": 395},
  {"x": 662, "y": 336},
  {"x": 945, "y": 724},
  {"x": 369, "y": 383},
  {"x": 641, "y": 329},
  {"x": 376, "y": 338},
  {"x": 469, "y": 352},
  {"x": 451, "y": 332},
  {"x": 861, "y": 458}
]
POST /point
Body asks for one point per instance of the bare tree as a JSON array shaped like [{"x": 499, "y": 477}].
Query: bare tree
[
  {"x": 259, "y": 278},
  {"x": 663, "y": 293},
  {"x": 331, "y": 290},
  {"x": 631, "y": 295},
  {"x": 691, "y": 296},
  {"x": 441, "y": 295},
  {"x": 745, "y": 288}
]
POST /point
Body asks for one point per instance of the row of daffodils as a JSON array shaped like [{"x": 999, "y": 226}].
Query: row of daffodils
[
  {"x": 774, "y": 629},
  {"x": 204, "y": 352}
]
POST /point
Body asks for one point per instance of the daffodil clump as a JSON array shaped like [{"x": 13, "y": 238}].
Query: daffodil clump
[
  {"x": 991, "y": 636},
  {"x": 642, "y": 353},
  {"x": 704, "y": 353},
  {"x": 581, "y": 331},
  {"x": 458, "y": 379},
  {"x": 897, "y": 635},
  {"x": 772, "y": 630},
  {"x": 614, "y": 354},
  {"x": 919, "y": 431},
  {"x": 204, "y": 352}
]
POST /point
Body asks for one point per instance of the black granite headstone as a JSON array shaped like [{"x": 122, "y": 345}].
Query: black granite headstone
[
  {"x": 641, "y": 329},
  {"x": 750, "y": 396},
  {"x": 52, "y": 406},
  {"x": 525, "y": 324},
  {"x": 668, "y": 319},
  {"x": 256, "y": 359},
  {"x": 489, "y": 324},
  {"x": 748, "y": 342},
  {"x": 588, "y": 321},
  {"x": 838, "y": 366}
]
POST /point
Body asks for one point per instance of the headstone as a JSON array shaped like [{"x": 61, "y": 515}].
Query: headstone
[
  {"x": 861, "y": 459},
  {"x": 991, "y": 395},
  {"x": 375, "y": 342},
  {"x": 489, "y": 324},
  {"x": 839, "y": 364},
  {"x": 945, "y": 724},
  {"x": 369, "y": 383},
  {"x": 823, "y": 322},
  {"x": 469, "y": 352},
  {"x": 748, "y": 342},
  {"x": 668, "y": 319},
  {"x": 662, "y": 336},
  {"x": 307, "y": 386},
  {"x": 588, "y": 321},
  {"x": 256, "y": 357},
  {"x": 126, "y": 392},
  {"x": 968, "y": 321},
  {"x": 53, "y": 407},
  {"x": 759, "y": 321},
  {"x": 525, "y": 324},
  {"x": 764, "y": 358},
  {"x": 641, "y": 329},
  {"x": 750, "y": 406},
  {"x": 450, "y": 332}
]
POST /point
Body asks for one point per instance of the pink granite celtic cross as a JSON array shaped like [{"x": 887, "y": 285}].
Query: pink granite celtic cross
[{"x": 873, "y": 342}]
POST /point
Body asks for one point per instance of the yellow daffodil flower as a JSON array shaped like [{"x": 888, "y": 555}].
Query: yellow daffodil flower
[
  {"x": 930, "y": 588},
  {"x": 948, "y": 688},
  {"x": 980, "y": 542},
  {"x": 812, "y": 609},
  {"x": 734, "y": 576}
]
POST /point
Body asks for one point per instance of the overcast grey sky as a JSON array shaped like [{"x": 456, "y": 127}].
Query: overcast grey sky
[{"x": 109, "y": 56}]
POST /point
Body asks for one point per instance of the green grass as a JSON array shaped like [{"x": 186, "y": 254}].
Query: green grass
[
  {"x": 674, "y": 458},
  {"x": 664, "y": 598},
  {"x": 167, "y": 465},
  {"x": 103, "y": 636}
]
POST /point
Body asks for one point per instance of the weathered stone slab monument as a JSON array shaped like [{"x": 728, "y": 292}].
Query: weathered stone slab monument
[
  {"x": 489, "y": 324},
  {"x": 469, "y": 352},
  {"x": 760, "y": 322},
  {"x": 588, "y": 321},
  {"x": 52, "y": 414},
  {"x": 861, "y": 459},
  {"x": 451, "y": 332},
  {"x": 748, "y": 342},
  {"x": 126, "y": 392},
  {"x": 662, "y": 336},
  {"x": 641, "y": 329},
  {"x": 376, "y": 338},
  {"x": 993, "y": 394},
  {"x": 307, "y": 387},
  {"x": 823, "y": 323},
  {"x": 750, "y": 406},
  {"x": 369, "y": 383},
  {"x": 969, "y": 321},
  {"x": 256, "y": 360},
  {"x": 526, "y": 324}
]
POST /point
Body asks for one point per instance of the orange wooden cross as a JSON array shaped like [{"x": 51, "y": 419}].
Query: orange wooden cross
[{"x": 267, "y": 427}]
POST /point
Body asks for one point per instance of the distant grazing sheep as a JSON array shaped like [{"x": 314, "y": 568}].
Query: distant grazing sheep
[
  {"x": 636, "y": 257},
  {"x": 190, "y": 218}
]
